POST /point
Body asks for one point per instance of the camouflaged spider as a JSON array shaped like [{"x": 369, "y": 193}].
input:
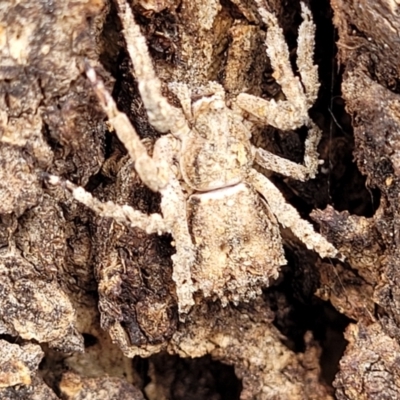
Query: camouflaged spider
[{"x": 225, "y": 231}]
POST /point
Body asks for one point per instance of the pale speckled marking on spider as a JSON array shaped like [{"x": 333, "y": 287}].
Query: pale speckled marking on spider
[{"x": 226, "y": 236}]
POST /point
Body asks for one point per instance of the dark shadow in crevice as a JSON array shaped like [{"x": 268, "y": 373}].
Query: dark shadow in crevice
[
  {"x": 347, "y": 187},
  {"x": 297, "y": 311},
  {"x": 194, "y": 378}
]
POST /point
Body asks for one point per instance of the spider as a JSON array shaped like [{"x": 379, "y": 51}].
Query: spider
[{"x": 223, "y": 215}]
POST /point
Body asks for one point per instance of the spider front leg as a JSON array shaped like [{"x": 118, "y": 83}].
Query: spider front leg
[
  {"x": 162, "y": 116},
  {"x": 149, "y": 172}
]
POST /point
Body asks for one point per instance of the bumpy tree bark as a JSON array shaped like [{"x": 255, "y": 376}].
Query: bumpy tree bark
[
  {"x": 88, "y": 307},
  {"x": 368, "y": 39}
]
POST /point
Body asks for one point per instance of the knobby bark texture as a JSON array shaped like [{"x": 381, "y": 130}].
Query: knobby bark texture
[
  {"x": 368, "y": 36},
  {"x": 88, "y": 306}
]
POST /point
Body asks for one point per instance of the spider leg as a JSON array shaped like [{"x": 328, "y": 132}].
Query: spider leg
[
  {"x": 153, "y": 223},
  {"x": 163, "y": 116},
  {"x": 293, "y": 112},
  {"x": 173, "y": 220},
  {"x": 173, "y": 206},
  {"x": 305, "y": 55},
  {"x": 288, "y": 216},
  {"x": 289, "y": 168},
  {"x": 148, "y": 170}
]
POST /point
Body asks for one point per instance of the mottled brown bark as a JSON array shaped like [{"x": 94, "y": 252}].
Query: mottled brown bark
[
  {"x": 368, "y": 53},
  {"x": 89, "y": 306}
]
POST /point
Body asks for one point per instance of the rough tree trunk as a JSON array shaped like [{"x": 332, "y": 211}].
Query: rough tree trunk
[{"x": 88, "y": 307}]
